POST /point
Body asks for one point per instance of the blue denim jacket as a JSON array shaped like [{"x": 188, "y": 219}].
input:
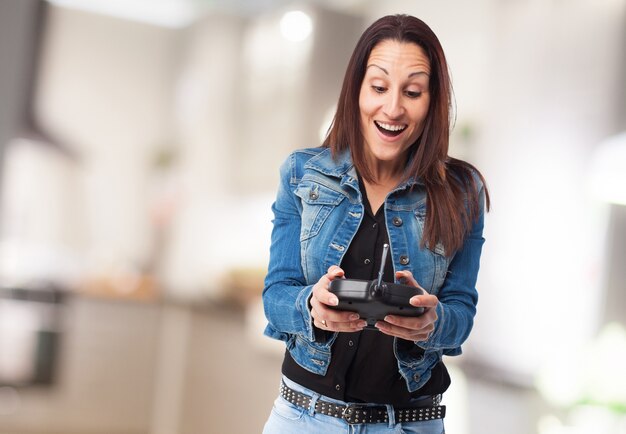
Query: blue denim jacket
[{"x": 317, "y": 212}]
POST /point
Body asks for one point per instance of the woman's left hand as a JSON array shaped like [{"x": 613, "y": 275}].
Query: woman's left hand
[{"x": 412, "y": 328}]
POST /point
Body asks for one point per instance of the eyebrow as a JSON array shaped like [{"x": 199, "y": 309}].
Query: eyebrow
[{"x": 387, "y": 72}]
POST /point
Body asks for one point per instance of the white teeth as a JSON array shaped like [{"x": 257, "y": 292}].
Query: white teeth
[{"x": 390, "y": 127}]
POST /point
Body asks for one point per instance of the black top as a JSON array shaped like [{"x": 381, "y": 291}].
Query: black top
[{"x": 363, "y": 367}]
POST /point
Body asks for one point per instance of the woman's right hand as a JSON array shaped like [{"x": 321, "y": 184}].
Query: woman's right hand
[{"x": 329, "y": 319}]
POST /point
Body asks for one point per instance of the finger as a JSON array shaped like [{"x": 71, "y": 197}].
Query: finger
[
  {"x": 320, "y": 289},
  {"x": 321, "y": 310},
  {"x": 322, "y": 294},
  {"x": 338, "y": 326},
  {"x": 424, "y": 321},
  {"x": 424, "y": 300},
  {"x": 320, "y": 323},
  {"x": 315, "y": 314},
  {"x": 402, "y": 332},
  {"x": 334, "y": 271},
  {"x": 406, "y": 277},
  {"x": 414, "y": 328},
  {"x": 334, "y": 316},
  {"x": 352, "y": 326}
]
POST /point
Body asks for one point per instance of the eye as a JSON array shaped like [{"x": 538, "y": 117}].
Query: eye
[
  {"x": 379, "y": 89},
  {"x": 413, "y": 94}
]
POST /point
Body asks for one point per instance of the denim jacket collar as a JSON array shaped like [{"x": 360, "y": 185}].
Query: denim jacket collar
[
  {"x": 324, "y": 163},
  {"x": 342, "y": 165}
]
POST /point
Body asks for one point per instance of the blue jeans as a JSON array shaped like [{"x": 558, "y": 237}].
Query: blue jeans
[{"x": 286, "y": 418}]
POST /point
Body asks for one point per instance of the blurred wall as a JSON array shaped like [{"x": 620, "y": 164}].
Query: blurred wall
[
  {"x": 105, "y": 88},
  {"x": 224, "y": 100}
]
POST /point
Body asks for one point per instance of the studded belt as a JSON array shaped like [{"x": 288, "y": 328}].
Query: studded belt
[{"x": 425, "y": 409}]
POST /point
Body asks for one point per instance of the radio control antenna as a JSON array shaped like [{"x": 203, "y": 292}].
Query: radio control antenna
[{"x": 379, "y": 283}]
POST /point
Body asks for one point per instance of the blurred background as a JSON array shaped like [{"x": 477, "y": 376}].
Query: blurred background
[{"x": 140, "y": 142}]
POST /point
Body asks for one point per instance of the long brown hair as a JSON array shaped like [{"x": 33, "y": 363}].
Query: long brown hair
[{"x": 452, "y": 193}]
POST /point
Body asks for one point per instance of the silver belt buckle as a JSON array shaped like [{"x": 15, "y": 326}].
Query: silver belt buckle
[{"x": 351, "y": 414}]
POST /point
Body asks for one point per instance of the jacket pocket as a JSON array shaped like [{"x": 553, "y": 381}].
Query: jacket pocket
[
  {"x": 420, "y": 215},
  {"x": 317, "y": 203},
  {"x": 440, "y": 261}
]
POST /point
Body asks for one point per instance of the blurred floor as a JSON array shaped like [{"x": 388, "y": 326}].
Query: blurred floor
[{"x": 149, "y": 368}]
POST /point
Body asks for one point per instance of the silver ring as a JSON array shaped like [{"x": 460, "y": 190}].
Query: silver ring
[{"x": 324, "y": 323}]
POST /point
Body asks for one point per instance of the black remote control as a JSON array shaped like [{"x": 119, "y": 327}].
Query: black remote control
[{"x": 375, "y": 299}]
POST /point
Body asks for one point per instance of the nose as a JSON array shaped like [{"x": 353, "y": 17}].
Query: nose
[{"x": 393, "y": 107}]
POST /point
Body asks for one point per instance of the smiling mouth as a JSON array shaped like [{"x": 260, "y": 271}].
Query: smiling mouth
[{"x": 389, "y": 130}]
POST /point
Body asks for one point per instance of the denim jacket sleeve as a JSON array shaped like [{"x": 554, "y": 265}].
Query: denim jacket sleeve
[
  {"x": 286, "y": 293},
  {"x": 458, "y": 296}
]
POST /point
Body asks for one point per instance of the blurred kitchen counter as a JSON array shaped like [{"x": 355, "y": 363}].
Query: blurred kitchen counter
[{"x": 129, "y": 366}]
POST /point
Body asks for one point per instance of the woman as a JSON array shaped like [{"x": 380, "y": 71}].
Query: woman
[{"x": 382, "y": 176}]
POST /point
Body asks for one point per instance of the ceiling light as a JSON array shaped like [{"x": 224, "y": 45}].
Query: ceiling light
[{"x": 296, "y": 26}]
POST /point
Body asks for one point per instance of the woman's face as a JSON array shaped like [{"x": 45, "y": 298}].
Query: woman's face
[{"x": 394, "y": 99}]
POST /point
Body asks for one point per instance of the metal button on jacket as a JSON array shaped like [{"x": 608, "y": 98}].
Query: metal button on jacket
[
  {"x": 397, "y": 221},
  {"x": 404, "y": 259},
  {"x": 313, "y": 195}
]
